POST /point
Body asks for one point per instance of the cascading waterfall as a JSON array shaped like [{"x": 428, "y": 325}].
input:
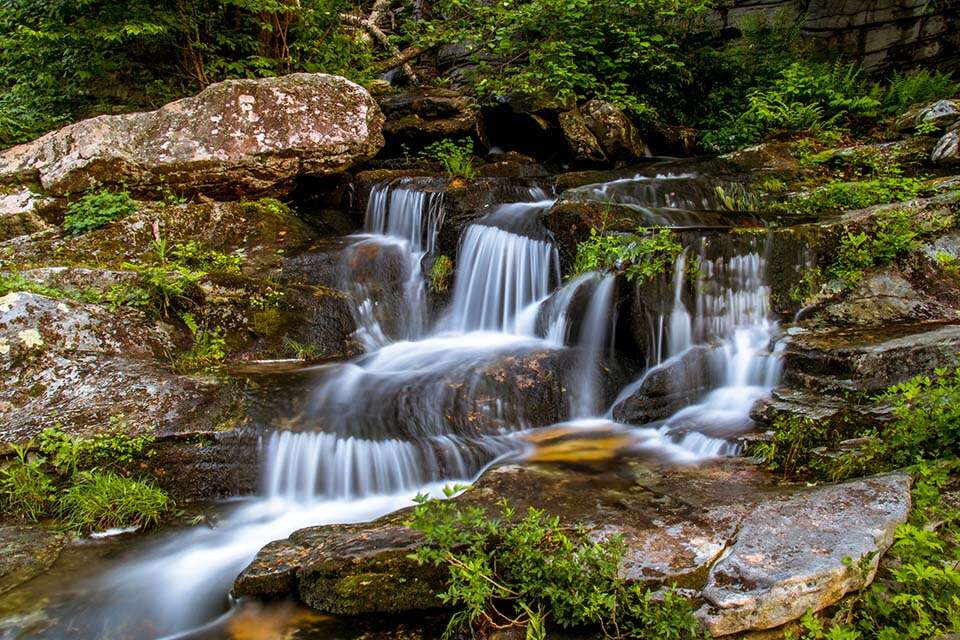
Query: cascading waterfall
[
  {"x": 401, "y": 226},
  {"x": 417, "y": 411},
  {"x": 502, "y": 269},
  {"x": 731, "y": 319},
  {"x": 593, "y": 334}
]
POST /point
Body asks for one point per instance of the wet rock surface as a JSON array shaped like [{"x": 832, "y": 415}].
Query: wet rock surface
[
  {"x": 25, "y": 552},
  {"x": 761, "y": 554},
  {"x": 236, "y": 137}
]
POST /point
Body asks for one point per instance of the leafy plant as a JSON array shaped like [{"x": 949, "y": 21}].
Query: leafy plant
[
  {"x": 527, "y": 570},
  {"x": 114, "y": 449},
  {"x": 925, "y": 426},
  {"x": 638, "y": 54},
  {"x": 25, "y": 489},
  {"x": 207, "y": 353},
  {"x": 639, "y": 256},
  {"x": 904, "y": 90},
  {"x": 455, "y": 156},
  {"x": 440, "y": 274},
  {"x": 95, "y": 209},
  {"x": 98, "y": 501},
  {"x": 78, "y": 479}
]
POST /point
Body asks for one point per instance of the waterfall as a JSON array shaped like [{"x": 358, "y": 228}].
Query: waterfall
[
  {"x": 429, "y": 406},
  {"x": 401, "y": 226},
  {"x": 593, "y": 334},
  {"x": 502, "y": 271},
  {"x": 731, "y": 324}
]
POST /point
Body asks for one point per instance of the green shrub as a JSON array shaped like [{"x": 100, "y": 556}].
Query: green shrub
[
  {"x": 905, "y": 90},
  {"x": 894, "y": 235},
  {"x": 530, "y": 571},
  {"x": 455, "y": 156},
  {"x": 77, "y": 479},
  {"x": 104, "y": 500},
  {"x": 804, "y": 96},
  {"x": 95, "y": 209},
  {"x": 639, "y": 256},
  {"x": 637, "y": 53},
  {"x": 925, "y": 426},
  {"x": 61, "y": 60},
  {"x": 114, "y": 449},
  {"x": 26, "y": 491}
]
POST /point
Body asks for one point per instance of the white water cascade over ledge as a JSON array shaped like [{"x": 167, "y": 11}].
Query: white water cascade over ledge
[{"x": 378, "y": 430}]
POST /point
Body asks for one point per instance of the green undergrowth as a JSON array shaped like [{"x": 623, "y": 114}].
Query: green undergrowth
[
  {"x": 916, "y": 594},
  {"x": 924, "y": 425},
  {"x": 527, "y": 571},
  {"x": 206, "y": 354},
  {"x": 96, "y": 209},
  {"x": 639, "y": 256},
  {"x": 844, "y": 195},
  {"x": 84, "y": 483}
]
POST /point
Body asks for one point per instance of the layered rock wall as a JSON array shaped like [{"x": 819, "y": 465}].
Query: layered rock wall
[{"x": 884, "y": 34}]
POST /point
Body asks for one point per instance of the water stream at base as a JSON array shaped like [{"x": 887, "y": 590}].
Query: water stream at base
[{"x": 418, "y": 411}]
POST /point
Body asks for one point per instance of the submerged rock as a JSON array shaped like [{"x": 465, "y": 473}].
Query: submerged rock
[
  {"x": 235, "y": 137},
  {"x": 762, "y": 556}
]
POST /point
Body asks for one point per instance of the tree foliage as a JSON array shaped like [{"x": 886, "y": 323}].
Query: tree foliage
[{"x": 64, "y": 59}]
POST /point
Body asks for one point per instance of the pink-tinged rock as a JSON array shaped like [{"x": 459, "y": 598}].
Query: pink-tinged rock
[{"x": 234, "y": 138}]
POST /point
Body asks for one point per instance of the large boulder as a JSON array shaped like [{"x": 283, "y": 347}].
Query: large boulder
[
  {"x": 601, "y": 131},
  {"x": 235, "y": 137},
  {"x": 87, "y": 370},
  {"x": 803, "y": 553}
]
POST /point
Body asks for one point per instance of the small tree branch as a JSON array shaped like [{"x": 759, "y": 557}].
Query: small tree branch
[{"x": 377, "y": 34}]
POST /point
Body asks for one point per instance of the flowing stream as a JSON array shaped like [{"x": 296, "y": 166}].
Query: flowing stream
[{"x": 432, "y": 401}]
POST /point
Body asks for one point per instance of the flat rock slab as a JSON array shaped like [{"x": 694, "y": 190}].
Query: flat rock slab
[
  {"x": 868, "y": 359},
  {"x": 26, "y": 551},
  {"x": 760, "y": 554},
  {"x": 235, "y": 137},
  {"x": 804, "y": 552}
]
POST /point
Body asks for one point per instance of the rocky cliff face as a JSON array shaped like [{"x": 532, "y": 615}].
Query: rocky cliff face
[{"x": 884, "y": 34}]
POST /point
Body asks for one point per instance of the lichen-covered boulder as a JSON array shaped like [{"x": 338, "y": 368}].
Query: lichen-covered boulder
[{"x": 235, "y": 137}]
